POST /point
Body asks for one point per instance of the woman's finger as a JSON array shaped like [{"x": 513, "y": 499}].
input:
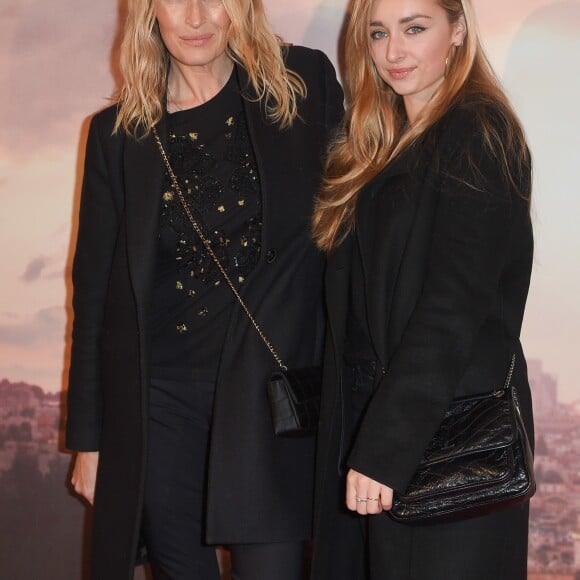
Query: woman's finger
[
  {"x": 373, "y": 503},
  {"x": 386, "y": 497}
]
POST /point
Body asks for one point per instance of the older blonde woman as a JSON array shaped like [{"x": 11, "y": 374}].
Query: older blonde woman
[
  {"x": 167, "y": 403},
  {"x": 425, "y": 219}
]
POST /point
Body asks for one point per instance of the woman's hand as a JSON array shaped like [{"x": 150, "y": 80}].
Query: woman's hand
[
  {"x": 365, "y": 495},
  {"x": 84, "y": 474}
]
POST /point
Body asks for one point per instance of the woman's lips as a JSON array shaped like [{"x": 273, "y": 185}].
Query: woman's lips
[
  {"x": 399, "y": 73},
  {"x": 197, "y": 40}
]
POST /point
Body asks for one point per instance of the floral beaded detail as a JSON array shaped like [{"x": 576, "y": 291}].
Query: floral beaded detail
[{"x": 223, "y": 193}]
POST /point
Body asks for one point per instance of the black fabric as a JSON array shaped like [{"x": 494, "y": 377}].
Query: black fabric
[
  {"x": 210, "y": 153},
  {"x": 358, "y": 377},
  {"x": 358, "y": 346},
  {"x": 280, "y": 561},
  {"x": 347, "y": 539},
  {"x": 173, "y": 511},
  {"x": 179, "y": 420},
  {"x": 492, "y": 547}
]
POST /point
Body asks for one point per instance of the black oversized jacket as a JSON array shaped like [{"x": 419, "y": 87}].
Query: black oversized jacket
[
  {"x": 259, "y": 487},
  {"x": 446, "y": 271}
]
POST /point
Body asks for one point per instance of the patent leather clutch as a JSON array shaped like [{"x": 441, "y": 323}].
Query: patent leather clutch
[{"x": 479, "y": 460}]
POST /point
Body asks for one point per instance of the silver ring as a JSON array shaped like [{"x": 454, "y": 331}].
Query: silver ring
[
  {"x": 372, "y": 499},
  {"x": 361, "y": 499}
]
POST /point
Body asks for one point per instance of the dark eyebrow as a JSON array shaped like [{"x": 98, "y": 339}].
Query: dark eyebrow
[{"x": 405, "y": 20}]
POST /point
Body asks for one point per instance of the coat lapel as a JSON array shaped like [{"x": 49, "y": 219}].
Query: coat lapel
[
  {"x": 144, "y": 174},
  {"x": 385, "y": 214}
]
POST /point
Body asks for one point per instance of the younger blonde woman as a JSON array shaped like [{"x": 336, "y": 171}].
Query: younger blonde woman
[{"x": 424, "y": 216}]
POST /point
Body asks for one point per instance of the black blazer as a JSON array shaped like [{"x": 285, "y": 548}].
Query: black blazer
[
  {"x": 259, "y": 487},
  {"x": 446, "y": 274}
]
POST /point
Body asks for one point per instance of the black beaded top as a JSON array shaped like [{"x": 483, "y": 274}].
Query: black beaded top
[{"x": 211, "y": 155}]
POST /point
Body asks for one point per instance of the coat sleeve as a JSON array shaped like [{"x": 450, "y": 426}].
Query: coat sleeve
[
  {"x": 98, "y": 228},
  {"x": 470, "y": 238}
]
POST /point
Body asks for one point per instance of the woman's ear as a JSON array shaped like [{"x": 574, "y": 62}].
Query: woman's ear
[{"x": 460, "y": 31}]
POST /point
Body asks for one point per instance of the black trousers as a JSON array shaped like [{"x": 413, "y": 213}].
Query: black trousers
[{"x": 173, "y": 515}]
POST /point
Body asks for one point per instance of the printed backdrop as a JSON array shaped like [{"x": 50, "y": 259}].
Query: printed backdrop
[{"x": 57, "y": 66}]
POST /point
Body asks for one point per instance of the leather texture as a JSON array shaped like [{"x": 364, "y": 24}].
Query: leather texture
[
  {"x": 294, "y": 397},
  {"x": 479, "y": 460}
]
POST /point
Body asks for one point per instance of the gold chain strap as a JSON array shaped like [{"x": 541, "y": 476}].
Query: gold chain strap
[{"x": 210, "y": 251}]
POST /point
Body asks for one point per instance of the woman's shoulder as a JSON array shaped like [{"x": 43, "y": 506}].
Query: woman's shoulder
[
  {"x": 102, "y": 132},
  {"x": 471, "y": 119},
  {"x": 482, "y": 139},
  {"x": 304, "y": 60},
  {"x": 105, "y": 118},
  {"x": 102, "y": 124}
]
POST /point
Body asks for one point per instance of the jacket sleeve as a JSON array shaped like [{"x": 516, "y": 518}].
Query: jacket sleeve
[
  {"x": 470, "y": 239},
  {"x": 98, "y": 228}
]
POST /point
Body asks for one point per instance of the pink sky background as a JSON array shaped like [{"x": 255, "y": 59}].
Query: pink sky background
[{"x": 55, "y": 70}]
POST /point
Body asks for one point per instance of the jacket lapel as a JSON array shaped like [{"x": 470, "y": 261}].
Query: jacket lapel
[
  {"x": 385, "y": 214},
  {"x": 144, "y": 174}
]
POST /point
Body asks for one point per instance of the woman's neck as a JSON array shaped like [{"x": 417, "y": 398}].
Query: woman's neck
[{"x": 189, "y": 87}]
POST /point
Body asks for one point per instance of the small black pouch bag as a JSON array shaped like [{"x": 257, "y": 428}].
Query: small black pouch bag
[{"x": 294, "y": 397}]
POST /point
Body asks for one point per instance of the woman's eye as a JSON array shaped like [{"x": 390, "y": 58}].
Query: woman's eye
[
  {"x": 415, "y": 29},
  {"x": 378, "y": 34}
]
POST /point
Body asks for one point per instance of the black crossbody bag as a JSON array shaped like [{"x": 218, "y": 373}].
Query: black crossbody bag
[{"x": 478, "y": 461}]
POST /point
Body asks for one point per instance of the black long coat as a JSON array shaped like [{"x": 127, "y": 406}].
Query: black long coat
[
  {"x": 259, "y": 487},
  {"x": 446, "y": 271}
]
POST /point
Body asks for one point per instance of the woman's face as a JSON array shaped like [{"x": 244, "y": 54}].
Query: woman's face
[
  {"x": 194, "y": 31},
  {"x": 410, "y": 41}
]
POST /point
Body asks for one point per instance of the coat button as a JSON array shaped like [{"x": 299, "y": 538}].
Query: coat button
[{"x": 271, "y": 255}]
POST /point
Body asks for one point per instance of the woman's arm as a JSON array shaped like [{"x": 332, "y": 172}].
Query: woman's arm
[{"x": 97, "y": 234}]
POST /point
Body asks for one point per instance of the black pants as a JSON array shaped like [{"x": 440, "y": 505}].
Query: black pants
[{"x": 173, "y": 518}]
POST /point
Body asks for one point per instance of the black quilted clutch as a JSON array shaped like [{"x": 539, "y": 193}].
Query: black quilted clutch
[
  {"x": 478, "y": 461},
  {"x": 294, "y": 397}
]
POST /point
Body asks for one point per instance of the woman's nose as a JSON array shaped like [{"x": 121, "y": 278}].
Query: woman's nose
[
  {"x": 195, "y": 13},
  {"x": 395, "y": 48}
]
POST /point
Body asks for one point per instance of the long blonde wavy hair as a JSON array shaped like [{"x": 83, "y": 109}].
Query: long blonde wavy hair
[
  {"x": 144, "y": 64},
  {"x": 375, "y": 128}
]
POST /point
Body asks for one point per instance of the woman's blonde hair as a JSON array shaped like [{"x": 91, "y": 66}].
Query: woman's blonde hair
[
  {"x": 144, "y": 64},
  {"x": 376, "y": 130}
]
